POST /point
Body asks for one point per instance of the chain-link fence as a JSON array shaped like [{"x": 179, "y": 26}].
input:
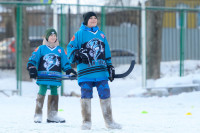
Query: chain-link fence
[
  {"x": 121, "y": 25},
  {"x": 22, "y": 27}
]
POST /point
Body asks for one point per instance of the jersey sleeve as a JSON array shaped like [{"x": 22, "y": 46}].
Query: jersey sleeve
[
  {"x": 72, "y": 47},
  {"x": 107, "y": 53},
  {"x": 34, "y": 58},
  {"x": 65, "y": 64}
]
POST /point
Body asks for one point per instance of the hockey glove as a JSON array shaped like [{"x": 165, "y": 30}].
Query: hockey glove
[
  {"x": 82, "y": 56},
  {"x": 68, "y": 72},
  {"x": 32, "y": 72},
  {"x": 111, "y": 71}
]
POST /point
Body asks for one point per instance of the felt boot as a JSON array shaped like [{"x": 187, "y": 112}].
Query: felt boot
[
  {"x": 53, "y": 110},
  {"x": 38, "y": 108},
  {"x": 107, "y": 114},
  {"x": 86, "y": 114}
]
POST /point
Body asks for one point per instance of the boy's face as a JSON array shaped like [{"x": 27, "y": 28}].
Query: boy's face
[
  {"x": 92, "y": 22},
  {"x": 52, "y": 38}
]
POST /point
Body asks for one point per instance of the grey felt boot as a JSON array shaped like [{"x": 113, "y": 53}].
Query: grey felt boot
[
  {"x": 86, "y": 114},
  {"x": 38, "y": 108},
  {"x": 53, "y": 110},
  {"x": 107, "y": 114}
]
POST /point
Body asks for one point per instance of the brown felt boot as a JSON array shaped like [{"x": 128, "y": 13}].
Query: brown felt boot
[
  {"x": 38, "y": 108},
  {"x": 107, "y": 114},
  {"x": 86, "y": 114},
  {"x": 53, "y": 110}
]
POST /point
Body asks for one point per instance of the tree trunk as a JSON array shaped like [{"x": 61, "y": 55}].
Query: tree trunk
[
  {"x": 154, "y": 39},
  {"x": 9, "y": 28},
  {"x": 139, "y": 61},
  {"x": 25, "y": 46},
  {"x": 25, "y": 42}
]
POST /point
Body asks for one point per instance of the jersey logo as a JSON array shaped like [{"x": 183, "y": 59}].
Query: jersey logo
[
  {"x": 51, "y": 60},
  {"x": 65, "y": 52},
  {"x": 59, "y": 50},
  {"x": 73, "y": 38},
  {"x": 96, "y": 48},
  {"x": 36, "y": 49},
  {"x": 102, "y": 35}
]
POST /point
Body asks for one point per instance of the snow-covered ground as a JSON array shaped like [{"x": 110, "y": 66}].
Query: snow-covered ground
[{"x": 167, "y": 114}]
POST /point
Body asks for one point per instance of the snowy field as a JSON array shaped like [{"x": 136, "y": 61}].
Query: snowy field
[{"x": 137, "y": 114}]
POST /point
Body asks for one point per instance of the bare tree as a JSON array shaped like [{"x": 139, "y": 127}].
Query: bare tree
[
  {"x": 25, "y": 39},
  {"x": 154, "y": 36},
  {"x": 9, "y": 28},
  {"x": 25, "y": 44}
]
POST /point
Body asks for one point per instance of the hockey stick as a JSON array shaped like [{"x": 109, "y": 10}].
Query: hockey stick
[
  {"x": 57, "y": 77},
  {"x": 73, "y": 77},
  {"x": 127, "y": 72}
]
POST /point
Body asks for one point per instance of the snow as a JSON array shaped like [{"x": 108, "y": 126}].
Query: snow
[{"x": 135, "y": 112}]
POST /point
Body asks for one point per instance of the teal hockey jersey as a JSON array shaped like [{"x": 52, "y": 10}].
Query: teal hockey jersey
[
  {"x": 49, "y": 61},
  {"x": 99, "y": 55}
]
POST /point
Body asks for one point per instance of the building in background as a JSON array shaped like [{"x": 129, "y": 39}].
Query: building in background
[{"x": 191, "y": 19}]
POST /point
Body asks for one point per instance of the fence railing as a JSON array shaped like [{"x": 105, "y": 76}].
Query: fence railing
[
  {"x": 22, "y": 27},
  {"x": 121, "y": 25}
]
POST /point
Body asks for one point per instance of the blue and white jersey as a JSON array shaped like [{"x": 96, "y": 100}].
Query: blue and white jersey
[
  {"x": 49, "y": 61},
  {"x": 99, "y": 55}
]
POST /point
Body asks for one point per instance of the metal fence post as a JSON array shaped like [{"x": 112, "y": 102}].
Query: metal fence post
[
  {"x": 19, "y": 48},
  {"x": 103, "y": 18},
  {"x": 62, "y": 37},
  {"x": 182, "y": 43},
  {"x": 143, "y": 37}
]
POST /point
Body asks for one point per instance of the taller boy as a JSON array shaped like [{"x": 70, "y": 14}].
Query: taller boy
[{"x": 90, "y": 50}]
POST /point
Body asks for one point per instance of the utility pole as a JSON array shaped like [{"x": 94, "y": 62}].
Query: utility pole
[
  {"x": 55, "y": 16},
  {"x": 143, "y": 44}
]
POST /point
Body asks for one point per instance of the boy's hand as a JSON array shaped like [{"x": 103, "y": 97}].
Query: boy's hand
[
  {"x": 68, "y": 72},
  {"x": 111, "y": 71},
  {"x": 32, "y": 72}
]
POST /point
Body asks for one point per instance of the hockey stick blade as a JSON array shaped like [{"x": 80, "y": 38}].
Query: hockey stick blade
[{"x": 127, "y": 72}]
